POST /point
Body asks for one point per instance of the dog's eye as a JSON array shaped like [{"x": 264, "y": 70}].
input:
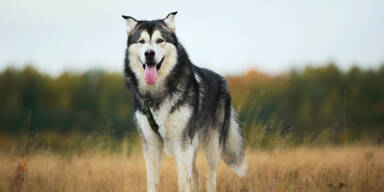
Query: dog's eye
[
  {"x": 142, "y": 41},
  {"x": 159, "y": 40}
]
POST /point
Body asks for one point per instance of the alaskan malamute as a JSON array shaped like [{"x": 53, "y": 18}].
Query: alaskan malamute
[{"x": 179, "y": 106}]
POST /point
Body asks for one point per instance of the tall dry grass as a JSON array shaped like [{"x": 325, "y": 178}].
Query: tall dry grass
[{"x": 300, "y": 169}]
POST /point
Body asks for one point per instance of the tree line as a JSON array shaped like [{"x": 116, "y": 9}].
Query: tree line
[{"x": 313, "y": 105}]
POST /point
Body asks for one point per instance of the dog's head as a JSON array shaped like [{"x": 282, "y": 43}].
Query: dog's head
[{"x": 151, "y": 48}]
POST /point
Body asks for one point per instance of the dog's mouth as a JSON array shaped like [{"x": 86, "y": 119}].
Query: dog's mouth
[
  {"x": 150, "y": 71},
  {"x": 151, "y": 63}
]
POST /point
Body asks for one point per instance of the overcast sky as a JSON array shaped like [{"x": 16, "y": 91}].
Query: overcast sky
[{"x": 230, "y": 37}]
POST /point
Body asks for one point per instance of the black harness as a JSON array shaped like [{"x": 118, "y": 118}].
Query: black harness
[{"x": 150, "y": 118}]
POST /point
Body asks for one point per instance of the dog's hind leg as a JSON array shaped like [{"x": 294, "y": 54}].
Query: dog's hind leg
[{"x": 211, "y": 149}]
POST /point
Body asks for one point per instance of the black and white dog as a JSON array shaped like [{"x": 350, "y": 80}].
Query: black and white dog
[{"x": 179, "y": 106}]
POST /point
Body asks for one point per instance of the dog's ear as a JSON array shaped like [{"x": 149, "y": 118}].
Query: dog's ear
[
  {"x": 170, "y": 21},
  {"x": 131, "y": 23}
]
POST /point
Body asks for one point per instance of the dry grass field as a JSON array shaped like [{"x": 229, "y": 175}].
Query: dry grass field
[{"x": 301, "y": 169}]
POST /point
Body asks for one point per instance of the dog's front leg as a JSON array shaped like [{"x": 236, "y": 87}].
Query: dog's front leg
[
  {"x": 186, "y": 170},
  {"x": 152, "y": 147},
  {"x": 152, "y": 156}
]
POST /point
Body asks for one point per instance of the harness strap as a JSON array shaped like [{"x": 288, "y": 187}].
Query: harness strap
[
  {"x": 150, "y": 118},
  {"x": 149, "y": 115}
]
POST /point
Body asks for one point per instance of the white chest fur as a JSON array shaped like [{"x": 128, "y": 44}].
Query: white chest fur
[{"x": 171, "y": 125}]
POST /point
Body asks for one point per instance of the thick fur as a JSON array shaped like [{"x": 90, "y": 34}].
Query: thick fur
[{"x": 191, "y": 106}]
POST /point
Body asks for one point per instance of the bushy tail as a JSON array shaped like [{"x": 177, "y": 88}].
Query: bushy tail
[{"x": 232, "y": 144}]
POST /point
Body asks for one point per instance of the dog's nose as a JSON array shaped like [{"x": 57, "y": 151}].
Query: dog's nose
[{"x": 149, "y": 54}]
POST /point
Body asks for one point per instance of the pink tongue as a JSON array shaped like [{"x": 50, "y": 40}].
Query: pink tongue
[{"x": 150, "y": 74}]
